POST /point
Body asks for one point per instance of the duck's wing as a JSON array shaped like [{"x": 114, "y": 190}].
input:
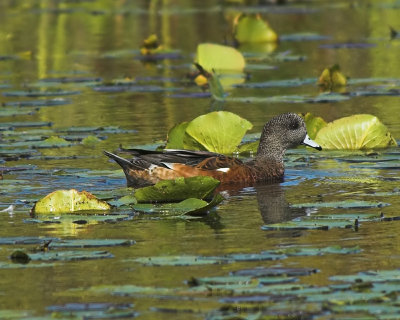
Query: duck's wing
[
  {"x": 219, "y": 162},
  {"x": 188, "y": 157}
]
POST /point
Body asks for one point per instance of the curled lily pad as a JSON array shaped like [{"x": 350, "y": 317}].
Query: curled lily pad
[
  {"x": 219, "y": 131},
  {"x": 360, "y": 131},
  {"x": 332, "y": 77},
  {"x": 218, "y": 57},
  {"x": 176, "y": 135},
  {"x": 249, "y": 28},
  {"x": 69, "y": 201},
  {"x": 313, "y": 124},
  {"x": 176, "y": 190}
]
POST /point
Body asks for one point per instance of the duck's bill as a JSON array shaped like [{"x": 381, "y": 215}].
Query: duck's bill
[{"x": 311, "y": 143}]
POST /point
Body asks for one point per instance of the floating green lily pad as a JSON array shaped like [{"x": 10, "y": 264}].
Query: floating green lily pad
[
  {"x": 190, "y": 206},
  {"x": 342, "y": 204},
  {"x": 69, "y": 201},
  {"x": 177, "y": 260},
  {"x": 218, "y": 57},
  {"x": 11, "y": 111},
  {"x": 90, "y": 140},
  {"x": 69, "y": 255},
  {"x": 38, "y": 102},
  {"x": 53, "y": 142},
  {"x": 79, "y": 219},
  {"x": 177, "y": 190},
  {"x": 360, "y": 131},
  {"x": 90, "y": 243},
  {"x": 38, "y": 93}
]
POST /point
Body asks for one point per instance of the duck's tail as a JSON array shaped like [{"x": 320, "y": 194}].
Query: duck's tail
[
  {"x": 131, "y": 169},
  {"x": 124, "y": 163}
]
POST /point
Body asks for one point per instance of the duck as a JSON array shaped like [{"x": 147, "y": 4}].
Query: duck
[{"x": 280, "y": 133}]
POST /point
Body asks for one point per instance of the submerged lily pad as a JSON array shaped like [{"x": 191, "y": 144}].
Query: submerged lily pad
[
  {"x": 360, "y": 131},
  {"x": 177, "y": 190},
  {"x": 191, "y": 206},
  {"x": 69, "y": 201},
  {"x": 218, "y": 57}
]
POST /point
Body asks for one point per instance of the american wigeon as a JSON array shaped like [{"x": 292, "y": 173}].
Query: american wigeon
[{"x": 282, "y": 132}]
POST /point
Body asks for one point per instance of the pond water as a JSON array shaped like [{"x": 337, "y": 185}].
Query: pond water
[{"x": 228, "y": 264}]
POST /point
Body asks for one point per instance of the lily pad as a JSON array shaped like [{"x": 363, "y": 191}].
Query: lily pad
[
  {"x": 177, "y": 261},
  {"x": 176, "y": 135},
  {"x": 332, "y": 77},
  {"x": 10, "y": 112},
  {"x": 90, "y": 243},
  {"x": 190, "y": 206},
  {"x": 313, "y": 124},
  {"x": 342, "y": 204},
  {"x": 69, "y": 255},
  {"x": 52, "y": 142},
  {"x": 218, "y": 57},
  {"x": 38, "y": 103},
  {"x": 249, "y": 28},
  {"x": 69, "y": 201},
  {"x": 360, "y": 131},
  {"x": 218, "y": 131},
  {"x": 37, "y": 93},
  {"x": 177, "y": 190}
]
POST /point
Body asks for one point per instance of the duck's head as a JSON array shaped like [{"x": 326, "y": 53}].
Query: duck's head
[{"x": 283, "y": 132}]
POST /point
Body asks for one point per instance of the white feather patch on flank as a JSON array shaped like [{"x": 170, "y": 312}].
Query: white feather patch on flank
[
  {"x": 224, "y": 169},
  {"x": 169, "y": 165}
]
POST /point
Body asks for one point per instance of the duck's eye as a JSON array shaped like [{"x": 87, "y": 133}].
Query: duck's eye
[{"x": 294, "y": 125}]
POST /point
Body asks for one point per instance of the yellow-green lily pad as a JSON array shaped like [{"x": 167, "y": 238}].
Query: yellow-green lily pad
[
  {"x": 313, "y": 124},
  {"x": 332, "y": 77},
  {"x": 360, "y": 131},
  {"x": 218, "y": 57},
  {"x": 253, "y": 29},
  {"x": 219, "y": 131},
  {"x": 69, "y": 201}
]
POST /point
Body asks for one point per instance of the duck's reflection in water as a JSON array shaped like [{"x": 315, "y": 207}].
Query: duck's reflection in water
[{"x": 273, "y": 205}]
